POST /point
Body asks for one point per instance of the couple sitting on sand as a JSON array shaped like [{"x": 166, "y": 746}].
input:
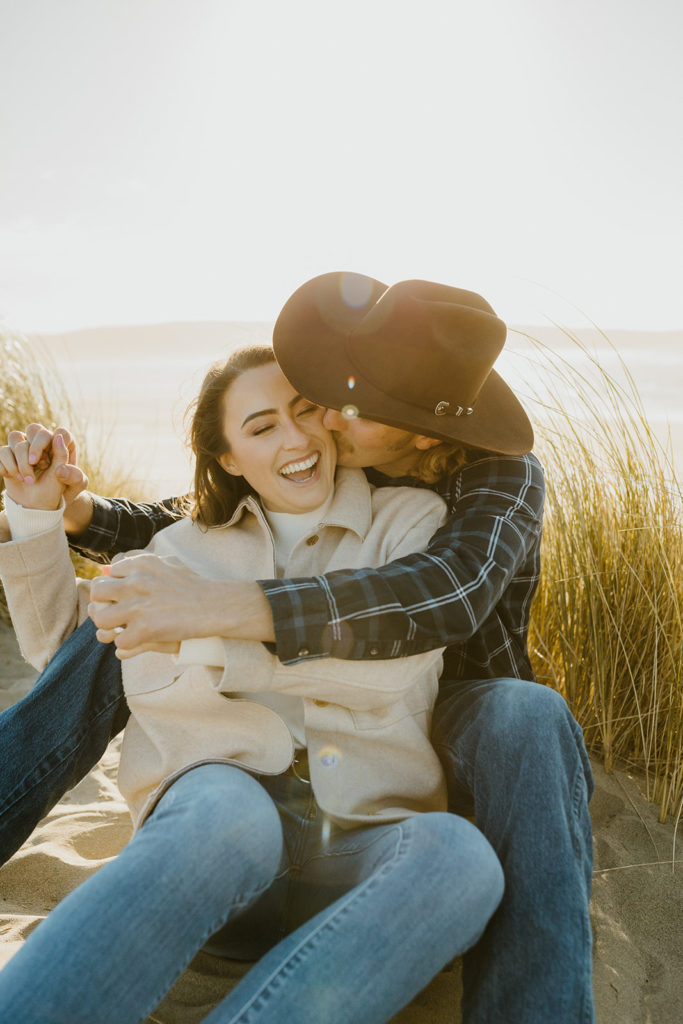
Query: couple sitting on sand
[{"x": 289, "y": 806}]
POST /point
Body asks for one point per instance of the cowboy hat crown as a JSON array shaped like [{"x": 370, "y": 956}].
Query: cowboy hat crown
[{"x": 416, "y": 355}]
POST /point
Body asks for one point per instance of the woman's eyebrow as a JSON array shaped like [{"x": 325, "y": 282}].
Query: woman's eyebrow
[
  {"x": 254, "y": 415},
  {"x": 271, "y": 412}
]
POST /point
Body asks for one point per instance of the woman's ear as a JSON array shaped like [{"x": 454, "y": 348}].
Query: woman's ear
[{"x": 228, "y": 465}]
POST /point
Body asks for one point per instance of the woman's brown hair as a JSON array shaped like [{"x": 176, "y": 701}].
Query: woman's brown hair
[{"x": 217, "y": 493}]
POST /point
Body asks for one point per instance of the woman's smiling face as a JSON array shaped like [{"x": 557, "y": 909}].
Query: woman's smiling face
[{"x": 277, "y": 442}]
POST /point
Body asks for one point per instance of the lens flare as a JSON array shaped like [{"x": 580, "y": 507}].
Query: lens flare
[
  {"x": 356, "y": 290},
  {"x": 329, "y": 756},
  {"x": 351, "y": 383},
  {"x": 349, "y": 412}
]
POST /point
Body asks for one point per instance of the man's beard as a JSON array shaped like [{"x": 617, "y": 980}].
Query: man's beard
[{"x": 344, "y": 446}]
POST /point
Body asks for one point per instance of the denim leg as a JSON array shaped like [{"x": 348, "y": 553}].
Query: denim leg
[
  {"x": 418, "y": 893},
  {"x": 112, "y": 949},
  {"x": 51, "y": 738},
  {"x": 515, "y": 754}
]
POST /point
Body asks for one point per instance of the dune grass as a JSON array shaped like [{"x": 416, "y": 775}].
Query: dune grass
[
  {"x": 32, "y": 391},
  {"x": 606, "y": 627}
]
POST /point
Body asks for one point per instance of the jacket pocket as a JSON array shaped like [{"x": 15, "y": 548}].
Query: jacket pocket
[
  {"x": 419, "y": 700},
  {"x": 382, "y": 718}
]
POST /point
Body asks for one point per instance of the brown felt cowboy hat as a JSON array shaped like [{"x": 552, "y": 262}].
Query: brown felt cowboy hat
[{"x": 416, "y": 355}]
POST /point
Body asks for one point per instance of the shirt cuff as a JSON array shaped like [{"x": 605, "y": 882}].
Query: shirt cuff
[
  {"x": 301, "y": 615},
  {"x": 29, "y": 522},
  {"x": 103, "y": 529}
]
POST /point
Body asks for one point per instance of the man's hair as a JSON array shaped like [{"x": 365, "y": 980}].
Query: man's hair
[
  {"x": 441, "y": 461},
  {"x": 216, "y": 492}
]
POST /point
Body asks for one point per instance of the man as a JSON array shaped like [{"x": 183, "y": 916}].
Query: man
[{"x": 407, "y": 375}]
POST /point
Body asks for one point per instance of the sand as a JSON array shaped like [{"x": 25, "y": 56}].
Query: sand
[{"x": 637, "y": 896}]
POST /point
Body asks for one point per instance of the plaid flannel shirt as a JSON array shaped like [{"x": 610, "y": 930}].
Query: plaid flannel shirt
[{"x": 471, "y": 589}]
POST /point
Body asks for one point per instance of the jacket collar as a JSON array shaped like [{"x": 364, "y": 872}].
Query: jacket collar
[{"x": 350, "y": 509}]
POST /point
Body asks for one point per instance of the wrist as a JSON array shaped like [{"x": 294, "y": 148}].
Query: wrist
[
  {"x": 78, "y": 514},
  {"x": 236, "y": 609},
  {"x": 33, "y": 500}
]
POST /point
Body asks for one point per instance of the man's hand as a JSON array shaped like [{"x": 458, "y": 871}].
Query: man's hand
[{"x": 150, "y": 603}]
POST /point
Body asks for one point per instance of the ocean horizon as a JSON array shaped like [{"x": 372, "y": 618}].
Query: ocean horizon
[{"x": 131, "y": 386}]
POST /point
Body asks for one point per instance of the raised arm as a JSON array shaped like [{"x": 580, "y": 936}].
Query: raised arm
[
  {"x": 42, "y": 594},
  {"x": 117, "y": 525},
  {"x": 96, "y": 527}
]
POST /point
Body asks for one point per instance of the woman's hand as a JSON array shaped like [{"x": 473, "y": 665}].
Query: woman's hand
[
  {"x": 34, "y": 482},
  {"x": 39, "y": 469}
]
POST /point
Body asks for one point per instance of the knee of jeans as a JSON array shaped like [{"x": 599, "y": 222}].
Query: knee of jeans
[
  {"x": 519, "y": 710},
  {"x": 227, "y": 810},
  {"x": 453, "y": 847},
  {"x": 527, "y": 718}
]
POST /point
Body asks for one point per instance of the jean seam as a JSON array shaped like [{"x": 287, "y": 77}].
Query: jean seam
[
  {"x": 581, "y": 787},
  {"x": 459, "y": 769},
  {"x": 358, "y": 893},
  {"x": 579, "y": 792}
]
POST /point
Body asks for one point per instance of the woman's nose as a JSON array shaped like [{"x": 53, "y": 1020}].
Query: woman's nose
[{"x": 294, "y": 436}]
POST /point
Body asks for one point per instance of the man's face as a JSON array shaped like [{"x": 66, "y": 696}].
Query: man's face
[{"x": 362, "y": 443}]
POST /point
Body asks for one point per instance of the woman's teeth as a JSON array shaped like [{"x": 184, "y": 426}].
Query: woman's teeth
[{"x": 300, "y": 470}]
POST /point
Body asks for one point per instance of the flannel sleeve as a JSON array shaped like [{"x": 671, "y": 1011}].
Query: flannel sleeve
[
  {"x": 428, "y": 599},
  {"x": 119, "y": 525}
]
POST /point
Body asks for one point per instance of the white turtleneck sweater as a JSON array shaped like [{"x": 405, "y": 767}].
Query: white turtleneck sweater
[{"x": 289, "y": 527}]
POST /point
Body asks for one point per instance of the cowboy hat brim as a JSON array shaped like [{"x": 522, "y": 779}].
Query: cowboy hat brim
[{"x": 314, "y": 344}]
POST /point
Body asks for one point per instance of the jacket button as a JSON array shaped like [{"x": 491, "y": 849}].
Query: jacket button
[
  {"x": 304, "y": 652},
  {"x": 313, "y": 540},
  {"x": 321, "y": 703}
]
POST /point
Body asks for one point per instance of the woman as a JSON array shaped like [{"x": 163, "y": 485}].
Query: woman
[{"x": 354, "y": 888}]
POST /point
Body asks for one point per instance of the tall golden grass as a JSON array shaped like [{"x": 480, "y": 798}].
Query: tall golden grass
[
  {"x": 606, "y": 628},
  {"x": 32, "y": 391}
]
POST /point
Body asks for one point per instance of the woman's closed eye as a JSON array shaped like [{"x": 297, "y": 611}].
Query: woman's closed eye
[{"x": 301, "y": 410}]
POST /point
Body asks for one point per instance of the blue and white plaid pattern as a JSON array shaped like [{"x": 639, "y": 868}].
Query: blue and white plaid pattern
[{"x": 471, "y": 589}]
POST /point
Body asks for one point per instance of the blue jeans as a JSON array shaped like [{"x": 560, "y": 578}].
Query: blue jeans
[
  {"x": 515, "y": 758},
  {"x": 51, "y": 738},
  {"x": 512, "y": 753},
  {"x": 376, "y": 912}
]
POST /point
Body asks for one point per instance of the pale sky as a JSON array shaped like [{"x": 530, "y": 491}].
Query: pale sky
[{"x": 198, "y": 159}]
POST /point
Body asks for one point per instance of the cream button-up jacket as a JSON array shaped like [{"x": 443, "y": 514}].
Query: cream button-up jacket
[{"x": 367, "y": 723}]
